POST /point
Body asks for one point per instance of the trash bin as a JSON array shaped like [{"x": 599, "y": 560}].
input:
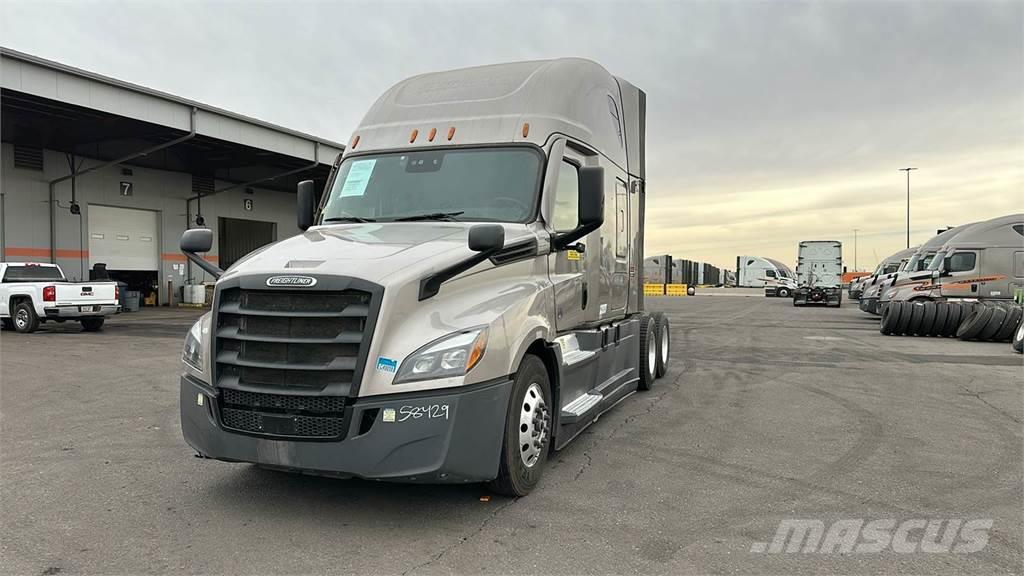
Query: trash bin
[
  {"x": 131, "y": 301},
  {"x": 122, "y": 290}
]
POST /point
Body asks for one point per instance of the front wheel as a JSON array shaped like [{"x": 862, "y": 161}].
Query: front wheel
[
  {"x": 783, "y": 292},
  {"x": 527, "y": 430}
]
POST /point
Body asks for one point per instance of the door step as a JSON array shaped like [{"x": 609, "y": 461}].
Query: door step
[{"x": 572, "y": 411}]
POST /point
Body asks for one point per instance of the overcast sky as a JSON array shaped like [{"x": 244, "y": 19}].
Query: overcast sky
[{"x": 768, "y": 123}]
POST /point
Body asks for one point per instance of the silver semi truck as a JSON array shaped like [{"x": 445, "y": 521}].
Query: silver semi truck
[
  {"x": 984, "y": 260},
  {"x": 892, "y": 264},
  {"x": 819, "y": 271},
  {"x": 915, "y": 272},
  {"x": 465, "y": 297}
]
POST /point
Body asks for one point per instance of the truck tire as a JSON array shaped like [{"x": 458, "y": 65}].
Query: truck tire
[
  {"x": 782, "y": 292},
  {"x": 92, "y": 324},
  {"x": 954, "y": 317},
  {"x": 994, "y": 323},
  {"x": 664, "y": 343},
  {"x": 648, "y": 352},
  {"x": 927, "y": 320},
  {"x": 1018, "y": 338},
  {"x": 974, "y": 322},
  {"x": 1013, "y": 317},
  {"x": 890, "y": 318},
  {"x": 941, "y": 314},
  {"x": 25, "y": 319},
  {"x": 909, "y": 318},
  {"x": 524, "y": 451}
]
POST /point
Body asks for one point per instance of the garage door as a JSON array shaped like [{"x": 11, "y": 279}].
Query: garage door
[{"x": 123, "y": 238}]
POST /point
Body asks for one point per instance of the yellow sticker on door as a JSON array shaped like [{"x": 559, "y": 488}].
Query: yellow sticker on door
[{"x": 572, "y": 255}]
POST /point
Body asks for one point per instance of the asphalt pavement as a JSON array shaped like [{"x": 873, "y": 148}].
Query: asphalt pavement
[{"x": 768, "y": 414}]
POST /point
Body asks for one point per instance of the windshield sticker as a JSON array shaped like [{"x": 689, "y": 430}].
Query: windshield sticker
[{"x": 358, "y": 177}]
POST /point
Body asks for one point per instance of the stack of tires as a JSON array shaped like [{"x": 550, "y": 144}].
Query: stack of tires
[{"x": 992, "y": 321}]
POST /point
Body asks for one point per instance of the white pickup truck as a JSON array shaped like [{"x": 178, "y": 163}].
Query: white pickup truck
[{"x": 31, "y": 293}]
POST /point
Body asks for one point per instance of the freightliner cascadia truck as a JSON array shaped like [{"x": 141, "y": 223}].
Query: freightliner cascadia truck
[
  {"x": 819, "y": 270},
  {"x": 465, "y": 297}
]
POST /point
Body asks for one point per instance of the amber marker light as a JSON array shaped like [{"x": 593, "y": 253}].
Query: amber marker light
[
  {"x": 355, "y": 142},
  {"x": 430, "y": 136},
  {"x": 526, "y": 129},
  {"x": 413, "y": 135},
  {"x": 451, "y": 133}
]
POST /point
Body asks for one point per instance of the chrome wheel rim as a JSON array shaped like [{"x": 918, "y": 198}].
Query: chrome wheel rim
[
  {"x": 664, "y": 346},
  {"x": 21, "y": 318},
  {"x": 1020, "y": 332},
  {"x": 533, "y": 425},
  {"x": 652, "y": 353}
]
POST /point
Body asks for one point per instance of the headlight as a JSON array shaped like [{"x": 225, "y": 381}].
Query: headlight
[
  {"x": 451, "y": 356},
  {"x": 193, "y": 352}
]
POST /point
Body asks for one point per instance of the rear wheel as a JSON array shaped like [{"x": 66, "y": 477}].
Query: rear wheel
[
  {"x": 92, "y": 324},
  {"x": 648, "y": 352},
  {"x": 664, "y": 344},
  {"x": 25, "y": 319},
  {"x": 524, "y": 452}
]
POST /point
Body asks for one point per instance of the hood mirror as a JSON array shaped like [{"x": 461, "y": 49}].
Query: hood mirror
[{"x": 306, "y": 199}]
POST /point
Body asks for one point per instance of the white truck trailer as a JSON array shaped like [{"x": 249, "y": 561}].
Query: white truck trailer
[
  {"x": 819, "y": 273},
  {"x": 466, "y": 297}
]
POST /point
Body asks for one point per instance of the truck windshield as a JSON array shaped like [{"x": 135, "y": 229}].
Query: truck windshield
[
  {"x": 33, "y": 274},
  {"x": 475, "y": 184}
]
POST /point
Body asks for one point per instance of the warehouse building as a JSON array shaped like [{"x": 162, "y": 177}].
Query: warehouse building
[{"x": 95, "y": 171}]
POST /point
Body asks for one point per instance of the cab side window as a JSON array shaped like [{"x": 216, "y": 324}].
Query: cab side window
[
  {"x": 567, "y": 197},
  {"x": 769, "y": 273},
  {"x": 962, "y": 261}
]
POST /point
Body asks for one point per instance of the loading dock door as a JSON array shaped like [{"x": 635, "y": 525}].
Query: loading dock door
[
  {"x": 238, "y": 237},
  {"x": 123, "y": 238}
]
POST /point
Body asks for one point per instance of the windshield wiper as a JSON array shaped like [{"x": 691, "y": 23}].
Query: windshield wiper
[
  {"x": 348, "y": 218},
  {"x": 447, "y": 216}
]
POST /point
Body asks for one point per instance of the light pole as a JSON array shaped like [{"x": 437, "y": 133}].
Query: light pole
[
  {"x": 855, "y": 249},
  {"x": 907, "y": 170}
]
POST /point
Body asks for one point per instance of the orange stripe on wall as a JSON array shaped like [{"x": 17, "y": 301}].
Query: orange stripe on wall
[
  {"x": 45, "y": 252},
  {"x": 33, "y": 252},
  {"x": 177, "y": 257}
]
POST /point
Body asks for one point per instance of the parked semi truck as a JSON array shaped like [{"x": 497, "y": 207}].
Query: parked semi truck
[
  {"x": 886, "y": 268},
  {"x": 915, "y": 272},
  {"x": 466, "y": 295},
  {"x": 819, "y": 271},
  {"x": 758, "y": 272},
  {"x": 984, "y": 260}
]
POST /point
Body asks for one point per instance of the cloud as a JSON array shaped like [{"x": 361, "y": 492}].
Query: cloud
[{"x": 768, "y": 123}]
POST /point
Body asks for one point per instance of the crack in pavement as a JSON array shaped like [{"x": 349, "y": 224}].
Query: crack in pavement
[
  {"x": 968, "y": 392},
  {"x": 462, "y": 539}
]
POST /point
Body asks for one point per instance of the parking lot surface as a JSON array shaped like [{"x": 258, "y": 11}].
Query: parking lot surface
[{"x": 768, "y": 413}]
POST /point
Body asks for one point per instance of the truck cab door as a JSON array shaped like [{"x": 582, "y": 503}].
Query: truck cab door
[
  {"x": 961, "y": 275},
  {"x": 567, "y": 268}
]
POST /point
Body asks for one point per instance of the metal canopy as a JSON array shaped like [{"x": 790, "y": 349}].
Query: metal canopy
[{"x": 39, "y": 122}]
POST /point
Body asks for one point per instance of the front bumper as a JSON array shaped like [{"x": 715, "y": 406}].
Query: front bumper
[
  {"x": 419, "y": 446},
  {"x": 88, "y": 311},
  {"x": 869, "y": 305}
]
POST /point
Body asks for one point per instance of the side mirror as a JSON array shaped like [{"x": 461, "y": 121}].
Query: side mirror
[
  {"x": 306, "y": 198},
  {"x": 591, "y": 207},
  {"x": 199, "y": 240},
  {"x": 486, "y": 238}
]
